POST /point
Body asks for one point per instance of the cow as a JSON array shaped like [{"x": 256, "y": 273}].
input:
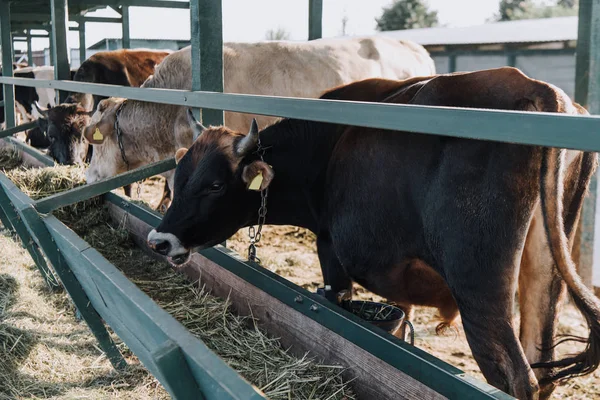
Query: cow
[
  {"x": 152, "y": 132},
  {"x": 65, "y": 122},
  {"x": 446, "y": 222},
  {"x": 25, "y": 96}
]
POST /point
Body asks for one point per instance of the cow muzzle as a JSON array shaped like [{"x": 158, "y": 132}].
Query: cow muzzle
[{"x": 167, "y": 244}]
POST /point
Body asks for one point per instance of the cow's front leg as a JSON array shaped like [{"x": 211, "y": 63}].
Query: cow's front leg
[{"x": 335, "y": 277}]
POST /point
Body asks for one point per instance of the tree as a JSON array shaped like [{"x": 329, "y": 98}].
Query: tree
[
  {"x": 406, "y": 14},
  {"x": 509, "y": 10},
  {"x": 567, "y": 3},
  {"x": 277, "y": 34}
]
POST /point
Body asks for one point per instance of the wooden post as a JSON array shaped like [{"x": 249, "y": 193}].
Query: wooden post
[
  {"x": 7, "y": 61},
  {"x": 315, "y": 19},
  {"x": 126, "y": 43},
  {"x": 62, "y": 70}
]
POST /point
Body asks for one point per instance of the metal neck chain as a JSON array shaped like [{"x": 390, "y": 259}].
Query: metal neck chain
[
  {"x": 122, "y": 148},
  {"x": 256, "y": 234},
  {"x": 120, "y": 134}
]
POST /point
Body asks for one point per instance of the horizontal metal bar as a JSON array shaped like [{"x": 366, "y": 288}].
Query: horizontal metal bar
[
  {"x": 432, "y": 372},
  {"x": 138, "y": 3},
  {"x": 48, "y": 204},
  {"x": 17, "y": 129},
  {"x": 24, "y": 147},
  {"x": 517, "y": 52},
  {"x": 116, "y": 20},
  {"x": 533, "y": 128},
  {"x": 1, "y": 103}
]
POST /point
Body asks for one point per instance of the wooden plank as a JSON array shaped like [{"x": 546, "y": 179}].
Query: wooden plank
[{"x": 374, "y": 379}]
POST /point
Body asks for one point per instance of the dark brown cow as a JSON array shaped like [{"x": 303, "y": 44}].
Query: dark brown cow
[{"x": 419, "y": 219}]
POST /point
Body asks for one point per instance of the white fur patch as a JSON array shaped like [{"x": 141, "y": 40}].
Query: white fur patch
[{"x": 177, "y": 248}]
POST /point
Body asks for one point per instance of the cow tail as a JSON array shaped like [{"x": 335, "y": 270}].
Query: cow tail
[{"x": 551, "y": 193}]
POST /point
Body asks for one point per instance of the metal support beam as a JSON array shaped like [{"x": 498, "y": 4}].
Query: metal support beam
[
  {"x": 126, "y": 44},
  {"x": 139, "y": 3},
  {"x": 587, "y": 77},
  {"x": 50, "y": 41},
  {"x": 7, "y": 60},
  {"x": 82, "y": 46},
  {"x": 207, "y": 52},
  {"x": 108, "y": 20},
  {"x": 452, "y": 63},
  {"x": 315, "y": 19},
  {"x": 62, "y": 70},
  {"x": 29, "y": 49}
]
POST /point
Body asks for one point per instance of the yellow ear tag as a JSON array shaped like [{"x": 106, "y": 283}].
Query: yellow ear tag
[
  {"x": 97, "y": 135},
  {"x": 256, "y": 182}
]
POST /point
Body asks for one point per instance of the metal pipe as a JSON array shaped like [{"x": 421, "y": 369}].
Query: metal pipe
[
  {"x": 7, "y": 61},
  {"x": 207, "y": 52},
  {"x": 126, "y": 44},
  {"x": 62, "y": 70},
  {"x": 82, "y": 47},
  {"x": 315, "y": 19}
]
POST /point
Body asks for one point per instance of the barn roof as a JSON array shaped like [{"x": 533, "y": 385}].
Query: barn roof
[{"x": 557, "y": 29}]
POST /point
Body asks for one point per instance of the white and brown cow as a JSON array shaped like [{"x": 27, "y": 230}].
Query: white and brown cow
[{"x": 152, "y": 132}]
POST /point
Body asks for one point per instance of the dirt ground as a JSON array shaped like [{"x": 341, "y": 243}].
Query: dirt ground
[{"x": 291, "y": 253}]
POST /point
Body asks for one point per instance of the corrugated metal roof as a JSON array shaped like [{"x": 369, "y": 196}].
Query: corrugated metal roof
[{"x": 523, "y": 31}]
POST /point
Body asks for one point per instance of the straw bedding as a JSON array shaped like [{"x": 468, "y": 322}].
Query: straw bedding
[{"x": 238, "y": 340}]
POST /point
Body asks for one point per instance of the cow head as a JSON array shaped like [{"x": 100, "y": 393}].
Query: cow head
[
  {"x": 100, "y": 133},
  {"x": 63, "y": 125},
  {"x": 213, "y": 179}
]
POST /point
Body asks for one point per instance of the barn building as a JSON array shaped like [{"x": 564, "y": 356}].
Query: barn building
[{"x": 542, "y": 48}]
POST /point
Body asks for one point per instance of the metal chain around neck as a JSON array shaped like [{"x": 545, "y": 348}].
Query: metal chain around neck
[
  {"x": 256, "y": 234},
  {"x": 122, "y": 148},
  {"x": 120, "y": 134}
]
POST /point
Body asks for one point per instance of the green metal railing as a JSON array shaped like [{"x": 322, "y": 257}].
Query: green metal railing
[{"x": 533, "y": 128}]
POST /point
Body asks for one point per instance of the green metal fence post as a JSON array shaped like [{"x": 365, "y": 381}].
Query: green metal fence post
[
  {"x": 207, "y": 52},
  {"x": 29, "y": 49},
  {"x": 7, "y": 60},
  {"x": 126, "y": 43},
  {"x": 315, "y": 19},
  {"x": 82, "y": 48},
  {"x": 12, "y": 221},
  {"x": 50, "y": 41},
  {"x": 452, "y": 63},
  {"x": 587, "y": 78},
  {"x": 62, "y": 70}
]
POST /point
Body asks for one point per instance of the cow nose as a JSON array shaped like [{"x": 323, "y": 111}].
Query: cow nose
[{"x": 160, "y": 246}]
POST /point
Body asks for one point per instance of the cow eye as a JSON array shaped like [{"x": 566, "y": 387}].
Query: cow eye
[{"x": 216, "y": 186}]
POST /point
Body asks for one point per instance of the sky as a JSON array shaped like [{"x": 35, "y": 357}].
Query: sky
[{"x": 249, "y": 20}]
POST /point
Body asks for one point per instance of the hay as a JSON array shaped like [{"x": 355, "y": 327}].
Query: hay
[
  {"x": 238, "y": 340},
  {"x": 39, "y": 183}
]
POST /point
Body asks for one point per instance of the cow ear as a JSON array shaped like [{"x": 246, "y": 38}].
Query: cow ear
[
  {"x": 258, "y": 175},
  {"x": 93, "y": 134},
  {"x": 179, "y": 154}
]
